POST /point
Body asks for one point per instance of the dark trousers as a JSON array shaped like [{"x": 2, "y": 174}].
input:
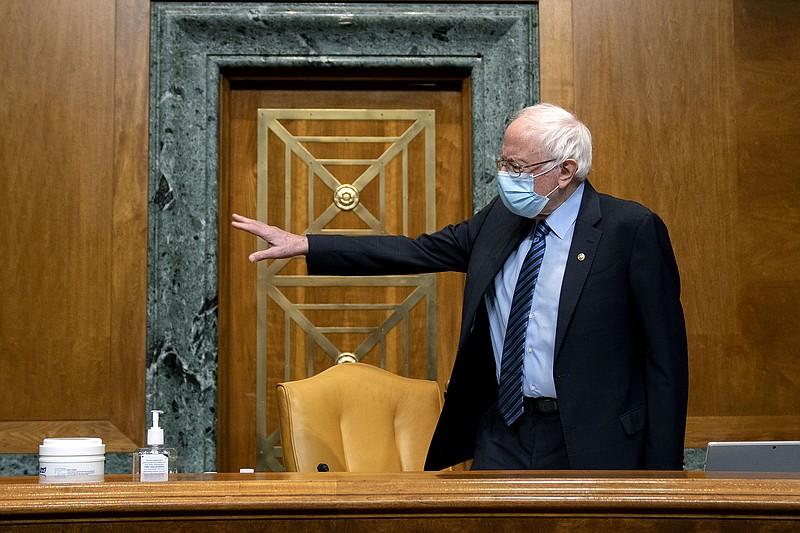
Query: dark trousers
[{"x": 534, "y": 442}]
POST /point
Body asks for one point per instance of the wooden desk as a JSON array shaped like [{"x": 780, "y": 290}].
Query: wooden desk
[{"x": 454, "y": 501}]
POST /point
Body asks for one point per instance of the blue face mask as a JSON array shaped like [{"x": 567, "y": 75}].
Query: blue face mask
[{"x": 518, "y": 195}]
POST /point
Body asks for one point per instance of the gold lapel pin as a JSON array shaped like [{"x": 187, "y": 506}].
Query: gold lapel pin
[{"x": 581, "y": 256}]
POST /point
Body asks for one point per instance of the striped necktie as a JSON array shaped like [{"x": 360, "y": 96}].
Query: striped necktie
[{"x": 509, "y": 399}]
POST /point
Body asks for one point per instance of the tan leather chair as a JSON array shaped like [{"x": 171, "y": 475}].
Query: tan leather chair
[{"x": 356, "y": 417}]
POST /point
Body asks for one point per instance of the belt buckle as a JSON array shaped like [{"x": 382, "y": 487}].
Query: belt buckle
[{"x": 545, "y": 406}]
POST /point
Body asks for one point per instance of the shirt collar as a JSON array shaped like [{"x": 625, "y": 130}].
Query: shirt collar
[{"x": 566, "y": 214}]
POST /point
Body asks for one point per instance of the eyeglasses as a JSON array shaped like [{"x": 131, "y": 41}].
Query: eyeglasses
[{"x": 514, "y": 169}]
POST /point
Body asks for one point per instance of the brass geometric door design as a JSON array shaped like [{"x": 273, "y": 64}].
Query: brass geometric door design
[{"x": 351, "y": 172}]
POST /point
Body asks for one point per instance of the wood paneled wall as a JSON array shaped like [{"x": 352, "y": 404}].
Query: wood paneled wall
[
  {"x": 695, "y": 112},
  {"x": 693, "y": 105},
  {"x": 73, "y": 158}
]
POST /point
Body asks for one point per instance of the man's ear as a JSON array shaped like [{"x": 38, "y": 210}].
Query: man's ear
[{"x": 567, "y": 172}]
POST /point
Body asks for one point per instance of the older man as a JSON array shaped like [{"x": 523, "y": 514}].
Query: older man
[{"x": 572, "y": 351}]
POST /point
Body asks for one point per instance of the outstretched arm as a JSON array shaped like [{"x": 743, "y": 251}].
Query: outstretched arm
[{"x": 282, "y": 244}]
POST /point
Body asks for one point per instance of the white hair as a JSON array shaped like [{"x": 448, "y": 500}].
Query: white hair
[{"x": 562, "y": 134}]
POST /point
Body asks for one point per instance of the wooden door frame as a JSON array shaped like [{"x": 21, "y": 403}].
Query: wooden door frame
[{"x": 237, "y": 445}]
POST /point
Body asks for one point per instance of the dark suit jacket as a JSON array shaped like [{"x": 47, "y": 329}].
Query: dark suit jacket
[{"x": 621, "y": 365}]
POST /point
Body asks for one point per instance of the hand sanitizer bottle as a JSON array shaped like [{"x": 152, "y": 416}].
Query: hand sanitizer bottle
[{"x": 155, "y": 462}]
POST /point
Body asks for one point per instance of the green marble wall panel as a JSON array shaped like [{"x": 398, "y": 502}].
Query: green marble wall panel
[{"x": 192, "y": 46}]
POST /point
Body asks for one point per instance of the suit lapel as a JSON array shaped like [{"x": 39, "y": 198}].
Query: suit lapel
[
  {"x": 503, "y": 237},
  {"x": 585, "y": 240}
]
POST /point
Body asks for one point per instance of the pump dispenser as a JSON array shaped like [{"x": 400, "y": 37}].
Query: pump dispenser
[
  {"x": 155, "y": 462},
  {"x": 155, "y": 435}
]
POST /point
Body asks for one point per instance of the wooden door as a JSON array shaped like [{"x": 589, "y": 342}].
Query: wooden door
[{"x": 346, "y": 155}]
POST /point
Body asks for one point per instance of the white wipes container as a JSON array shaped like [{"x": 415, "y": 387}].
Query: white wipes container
[{"x": 72, "y": 460}]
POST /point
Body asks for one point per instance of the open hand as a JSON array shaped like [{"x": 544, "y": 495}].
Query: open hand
[{"x": 282, "y": 244}]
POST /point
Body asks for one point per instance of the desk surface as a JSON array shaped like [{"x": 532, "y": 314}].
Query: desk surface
[{"x": 456, "y": 501}]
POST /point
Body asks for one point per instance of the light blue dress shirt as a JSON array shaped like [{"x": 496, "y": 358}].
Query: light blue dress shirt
[{"x": 541, "y": 334}]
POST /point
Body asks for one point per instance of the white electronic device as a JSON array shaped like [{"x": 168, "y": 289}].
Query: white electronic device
[{"x": 753, "y": 456}]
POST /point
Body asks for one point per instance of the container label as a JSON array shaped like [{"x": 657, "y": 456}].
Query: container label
[
  {"x": 155, "y": 467},
  {"x": 62, "y": 471}
]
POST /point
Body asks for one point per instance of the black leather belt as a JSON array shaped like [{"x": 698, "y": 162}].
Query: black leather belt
[{"x": 541, "y": 406}]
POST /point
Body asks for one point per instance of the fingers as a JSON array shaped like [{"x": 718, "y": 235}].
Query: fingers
[
  {"x": 255, "y": 227},
  {"x": 255, "y": 257},
  {"x": 239, "y": 219},
  {"x": 247, "y": 224}
]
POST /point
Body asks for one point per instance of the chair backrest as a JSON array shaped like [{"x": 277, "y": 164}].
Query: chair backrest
[{"x": 355, "y": 417}]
